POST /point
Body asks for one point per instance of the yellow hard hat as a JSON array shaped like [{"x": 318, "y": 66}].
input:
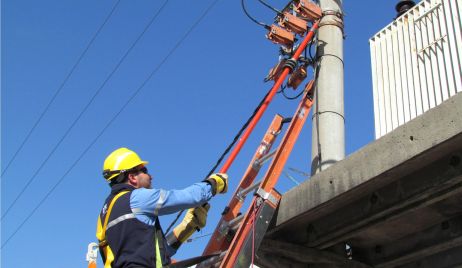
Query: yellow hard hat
[{"x": 120, "y": 161}]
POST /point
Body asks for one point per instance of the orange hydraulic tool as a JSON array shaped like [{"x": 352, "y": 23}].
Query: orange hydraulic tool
[
  {"x": 308, "y": 9},
  {"x": 292, "y": 23},
  {"x": 215, "y": 244}
]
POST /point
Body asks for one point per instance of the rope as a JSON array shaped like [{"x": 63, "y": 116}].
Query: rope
[{"x": 254, "y": 215}]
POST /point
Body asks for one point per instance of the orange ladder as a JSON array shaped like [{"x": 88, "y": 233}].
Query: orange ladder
[{"x": 237, "y": 237}]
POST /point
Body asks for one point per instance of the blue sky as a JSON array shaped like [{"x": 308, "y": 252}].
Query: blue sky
[{"x": 181, "y": 119}]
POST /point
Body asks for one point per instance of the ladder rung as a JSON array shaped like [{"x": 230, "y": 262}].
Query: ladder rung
[
  {"x": 212, "y": 261},
  {"x": 244, "y": 192},
  {"x": 231, "y": 225},
  {"x": 235, "y": 228},
  {"x": 259, "y": 162},
  {"x": 235, "y": 222}
]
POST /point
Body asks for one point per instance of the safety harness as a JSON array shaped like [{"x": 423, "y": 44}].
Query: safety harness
[{"x": 102, "y": 228}]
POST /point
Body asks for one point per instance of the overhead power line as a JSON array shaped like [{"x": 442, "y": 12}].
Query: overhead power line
[
  {"x": 154, "y": 71},
  {"x": 84, "y": 110},
  {"x": 270, "y": 7},
  {"x": 61, "y": 86},
  {"x": 252, "y": 18}
]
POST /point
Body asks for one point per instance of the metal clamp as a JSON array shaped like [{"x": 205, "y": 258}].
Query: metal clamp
[
  {"x": 333, "y": 13},
  {"x": 334, "y": 21},
  {"x": 267, "y": 196},
  {"x": 240, "y": 195}
]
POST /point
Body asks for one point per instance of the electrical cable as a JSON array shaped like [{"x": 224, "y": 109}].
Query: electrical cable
[
  {"x": 197, "y": 237},
  {"x": 251, "y": 18},
  {"x": 270, "y": 7},
  {"x": 82, "y": 55},
  {"x": 281, "y": 89},
  {"x": 290, "y": 177},
  {"x": 236, "y": 138},
  {"x": 304, "y": 174},
  {"x": 309, "y": 52},
  {"x": 225, "y": 152},
  {"x": 316, "y": 111},
  {"x": 84, "y": 110},
  {"x": 294, "y": 97},
  {"x": 113, "y": 119}
]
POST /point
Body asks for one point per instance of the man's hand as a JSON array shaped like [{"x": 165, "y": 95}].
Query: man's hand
[
  {"x": 219, "y": 183},
  {"x": 195, "y": 219},
  {"x": 198, "y": 216}
]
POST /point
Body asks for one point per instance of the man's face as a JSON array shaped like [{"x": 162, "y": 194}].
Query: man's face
[{"x": 143, "y": 178}]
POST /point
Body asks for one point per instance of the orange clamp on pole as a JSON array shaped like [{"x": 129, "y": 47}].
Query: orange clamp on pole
[{"x": 268, "y": 100}]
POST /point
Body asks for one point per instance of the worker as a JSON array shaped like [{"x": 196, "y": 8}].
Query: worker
[{"x": 128, "y": 230}]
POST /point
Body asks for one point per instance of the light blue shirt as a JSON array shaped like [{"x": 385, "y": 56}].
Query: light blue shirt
[{"x": 147, "y": 204}]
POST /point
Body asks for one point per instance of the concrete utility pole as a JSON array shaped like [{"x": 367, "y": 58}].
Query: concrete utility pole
[{"x": 328, "y": 138}]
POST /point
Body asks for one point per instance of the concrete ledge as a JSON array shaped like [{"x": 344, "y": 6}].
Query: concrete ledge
[{"x": 418, "y": 143}]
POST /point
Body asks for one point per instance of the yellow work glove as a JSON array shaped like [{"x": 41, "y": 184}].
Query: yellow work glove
[
  {"x": 219, "y": 183},
  {"x": 195, "y": 219}
]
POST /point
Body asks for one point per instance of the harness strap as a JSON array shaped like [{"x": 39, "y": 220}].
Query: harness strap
[
  {"x": 102, "y": 240},
  {"x": 101, "y": 234}
]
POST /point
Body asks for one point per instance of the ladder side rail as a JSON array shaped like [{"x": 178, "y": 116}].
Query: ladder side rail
[
  {"x": 289, "y": 140},
  {"x": 272, "y": 175},
  {"x": 218, "y": 240}
]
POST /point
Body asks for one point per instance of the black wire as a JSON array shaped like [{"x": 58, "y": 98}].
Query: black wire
[
  {"x": 113, "y": 118},
  {"x": 198, "y": 237},
  {"x": 292, "y": 98},
  {"x": 309, "y": 51},
  {"x": 270, "y": 7},
  {"x": 226, "y": 151},
  {"x": 251, "y": 18},
  {"x": 83, "y": 111},
  {"x": 236, "y": 138},
  {"x": 61, "y": 86},
  {"x": 174, "y": 221},
  {"x": 281, "y": 89}
]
